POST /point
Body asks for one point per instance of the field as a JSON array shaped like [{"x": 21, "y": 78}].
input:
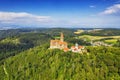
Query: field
[
  {"x": 106, "y": 39},
  {"x": 111, "y": 41}
]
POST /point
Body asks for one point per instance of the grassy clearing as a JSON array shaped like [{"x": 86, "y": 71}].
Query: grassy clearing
[
  {"x": 79, "y": 31},
  {"x": 91, "y": 37},
  {"x": 11, "y": 40},
  {"x": 112, "y": 41},
  {"x": 98, "y": 37}
]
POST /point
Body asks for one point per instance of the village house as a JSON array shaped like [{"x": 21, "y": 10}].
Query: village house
[
  {"x": 100, "y": 43},
  {"x": 77, "y": 48}
]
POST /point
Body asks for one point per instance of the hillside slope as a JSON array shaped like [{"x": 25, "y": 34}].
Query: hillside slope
[
  {"x": 41, "y": 63},
  {"x": 13, "y": 45}
]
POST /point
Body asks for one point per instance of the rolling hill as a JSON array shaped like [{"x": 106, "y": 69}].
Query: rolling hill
[
  {"x": 41, "y": 63},
  {"x": 25, "y": 55}
]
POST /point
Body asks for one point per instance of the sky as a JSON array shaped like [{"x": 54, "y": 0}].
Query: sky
[{"x": 60, "y": 13}]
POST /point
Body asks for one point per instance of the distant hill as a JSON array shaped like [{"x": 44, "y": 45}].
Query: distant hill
[
  {"x": 104, "y": 32},
  {"x": 56, "y": 31},
  {"x": 32, "y": 37},
  {"x": 13, "y": 45},
  {"x": 51, "y": 31}
]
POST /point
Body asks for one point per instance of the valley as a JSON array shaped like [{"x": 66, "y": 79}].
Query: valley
[{"x": 26, "y": 56}]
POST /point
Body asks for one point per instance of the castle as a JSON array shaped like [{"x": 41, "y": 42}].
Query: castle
[{"x": 59, "y": 44}]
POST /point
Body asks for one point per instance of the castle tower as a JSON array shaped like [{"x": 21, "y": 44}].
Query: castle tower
[
  {"x": 76, "y": 45},
  {"x": 62, "y": 37}
]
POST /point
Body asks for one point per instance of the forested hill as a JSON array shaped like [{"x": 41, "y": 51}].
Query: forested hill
[
  {"x": 11, "y": 46},
  {"x": 103, "y": 32},
  {"x": 41, "y": 63},
  {"x": 14, "y": 41},
  {"x": 51, "y": 31},
  {"x": 24, "y": 55}
]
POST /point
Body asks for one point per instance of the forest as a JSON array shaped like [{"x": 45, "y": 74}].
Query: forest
[
  {"x": 41, "y": 63},
  {"x": 25, "y": 55}
]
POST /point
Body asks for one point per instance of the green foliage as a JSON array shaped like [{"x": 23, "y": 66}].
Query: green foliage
[
  {"x": 8, "y": 33},
  {"x": 104, "y": 32},
  {"x": 14, "y": 45},
  {"x": 117, "y": 43},
  {"x": 41, "y": 63},
  {"x": 79, "y": 41}
]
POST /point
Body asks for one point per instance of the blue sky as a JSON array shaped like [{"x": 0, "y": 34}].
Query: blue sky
[{"x": 60, "y": 13}]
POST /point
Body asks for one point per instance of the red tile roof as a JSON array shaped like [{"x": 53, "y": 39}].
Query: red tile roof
[{"x": 66, "y": 49}]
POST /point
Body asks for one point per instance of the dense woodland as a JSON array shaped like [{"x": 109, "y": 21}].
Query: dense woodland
[
  {"x": 25, "y": 55},
  {"x": 41, "y": 63}
]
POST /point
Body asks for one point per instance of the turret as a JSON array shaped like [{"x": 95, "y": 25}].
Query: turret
[
  {"x": 76, "y": 45},
  {"x": 62, "y": 37}
]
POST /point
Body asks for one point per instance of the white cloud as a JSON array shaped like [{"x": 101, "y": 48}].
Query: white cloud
[
  {"x": 27, "y": 19},
  {"x": 115, "y": 9},
  {"x": 92, "y": 6},
  {"x": 23, "y": 18}
]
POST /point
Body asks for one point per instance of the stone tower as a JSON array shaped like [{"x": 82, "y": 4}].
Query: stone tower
[
  {"x": 76, "y": 45},
  {"x": 62, "y": 37},
  {"x": 59, "y": 44}
]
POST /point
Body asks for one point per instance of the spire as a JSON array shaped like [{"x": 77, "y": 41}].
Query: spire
[
  {"x": 76, "y": 45},
  {"x": 62, "y": 37}
]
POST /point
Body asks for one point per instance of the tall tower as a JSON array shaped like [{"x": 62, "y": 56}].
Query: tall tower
[
  {"x": 62, "y": 37},
  {"x": 76, "y": 45}
]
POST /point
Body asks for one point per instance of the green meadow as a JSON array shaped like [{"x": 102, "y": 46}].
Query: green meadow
[{"x": 106, "y": 39}]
